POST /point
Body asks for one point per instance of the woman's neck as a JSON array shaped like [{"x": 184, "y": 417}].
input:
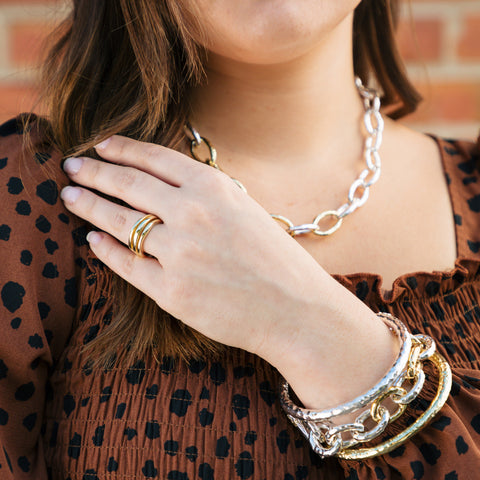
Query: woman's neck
[{"x": 305, "y": 110}]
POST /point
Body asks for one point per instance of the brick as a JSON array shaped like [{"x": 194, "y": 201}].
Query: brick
[
  {"x": 15, "y": 99},
  {"x": 448, "y": 102},
  {"x": 420, "y": 40},
  {"x": 469, "y": 44},
  {"x": 27, "y": 42}
]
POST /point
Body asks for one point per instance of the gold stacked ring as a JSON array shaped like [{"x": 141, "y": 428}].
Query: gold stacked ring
[{"x": 139, "y": 232}]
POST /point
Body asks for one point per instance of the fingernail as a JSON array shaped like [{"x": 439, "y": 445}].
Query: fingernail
[
  {"x": 72, "y": 165},
  {"x": 70, "y": 194},
  {"x": 102, "y": 145},
  {"x": 93, "y": 238}
]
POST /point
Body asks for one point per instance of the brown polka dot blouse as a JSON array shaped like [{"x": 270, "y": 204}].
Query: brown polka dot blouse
[{"x": 60, "y": 419}]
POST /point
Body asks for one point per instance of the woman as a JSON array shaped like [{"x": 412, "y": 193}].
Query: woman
[{"x": 98, "y": 377}]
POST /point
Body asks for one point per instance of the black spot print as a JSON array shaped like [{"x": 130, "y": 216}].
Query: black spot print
[
  {"x": 24, "y": 464},
  {"x": 101, "y": 302},
  {"x": 352, "y": 475},
  {"x": 412, "y": 282},
  {"x": 461, "y": 445},
  {"x": 23, "y": 208},
  {"x": 438, "y": 311},
  {"x": 98, "y": 436},
  {"x": 450, "y": 299},
  {"x": 63, "y": 218},
  {"x": 106, "y": 394},
  {"x": 12, "y": 296},
  {"x": 441, "y": 423},
  {"x": 70, "y": 292},
  {"x": 180, "y": 401},
  {"x": 48, "y": 336},
  {"x": 432, "y": 288},
  {"x": 267, "y": 393},
  {"x": 26, "y": 257},
  {"x": 273, "y": 421},
  {"x": 398, "y": 452},
  {"x": 79, "y": 236},
  {"x": 3, "y": 161},
  {"x": 250, "y": 438},
  {"x": 241, "y": 372},
  {"x": 168, "y": 365},
  {"x": 84, "y": 401},
  {"x": 15, "y": 323},
  {"x": 112, "y": 465},
  {"x": 245, "y": 466},
  {"x": 196, "y": 366},
  {"x": 69, "y": 404},
  {"x": 283, "y": 441},
  {"x": 171, "y": 447},
  {"x": 469, "y": 180},
  {"x": 29, "y": 421},
  {"x": 35, "y": 363},
  {"x": 473, "y": 246},
  {"x": 232, "y": 427},
  {"x": 301, "y": 473},
  {"x": 205, "y": 394},
  {"x": 379, "y": 473},
  {"x": 120, "y": 410},
  {"x": 151, "y": 392},
  {"x": 191, "y": 453},
  {"x": 205, "y": 417},
  {"x": 430, "y": 453},
  {"x": 176, "y": 475},
  {"x": 222, "y": 448},
  {"x": 467, "y": 167},
  {"x": 446, "y": 341},
  {"x": 51, "y": 246},
  {"x": 475, "y": 423},
  {"x": 3, "y": 369},
  {"x": 240, "y": 405},
  {"x": 43, "y": 224},
  {"x": 25, "y": 392},
  {"x": 130, "y": 433},
  {"x": 458, "y": 219},
  {"x": 362, "y": 290},
  {"x": 3, "y": 417},
  {"x": 149, "y": 469},
  {"x": 5, "y": 231},
  {"x": 136, "y": 373},
  {"x": 42, "y": 157},
  {"x": 50, "y": 270},
  {"x": 43, "y": 310},
  {"x": 205, "y": 472},
  {"x": 451, "y": 476},
  {"x": 474, "y": 203},
  {"x": 48, "y": 192},
  {"x": 152, "y": 430},
  {"x": 217, "y": 374},
  {"x": 90, "y": 474},
  {"x": 74, "y": 446},
  {"x": 15, "y": 186},
  {"x": 35, "y": 341},
  {"x": 91, "y": 334}
]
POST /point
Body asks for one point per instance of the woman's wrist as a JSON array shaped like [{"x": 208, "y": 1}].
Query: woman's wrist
[{"x": 335, "y": 351}]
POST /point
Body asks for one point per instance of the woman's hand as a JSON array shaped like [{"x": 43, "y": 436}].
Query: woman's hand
[{"x": 219, "y": 262}]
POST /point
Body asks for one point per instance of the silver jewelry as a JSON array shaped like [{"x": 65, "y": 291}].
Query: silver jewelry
[
  {"x": 326, "y": 438},
  {"x": 359, "y": 190}
]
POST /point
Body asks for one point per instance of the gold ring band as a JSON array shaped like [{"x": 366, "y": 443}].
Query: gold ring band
[{"x": 139, "y": 232}]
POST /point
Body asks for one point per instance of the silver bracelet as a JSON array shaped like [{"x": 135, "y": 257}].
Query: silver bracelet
[{"x": 326, "y": 438}]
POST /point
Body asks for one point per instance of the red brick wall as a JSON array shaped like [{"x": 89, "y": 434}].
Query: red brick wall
[{"x": 442, "y": 54}]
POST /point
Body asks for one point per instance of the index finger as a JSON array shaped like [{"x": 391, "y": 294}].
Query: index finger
[{"x": 164, "y": 163}]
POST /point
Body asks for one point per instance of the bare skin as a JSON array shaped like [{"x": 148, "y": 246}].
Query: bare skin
[{"x": 284, "y": 116}]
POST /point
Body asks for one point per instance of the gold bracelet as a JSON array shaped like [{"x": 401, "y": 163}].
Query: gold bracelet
[{"x": 443, "y": 391}]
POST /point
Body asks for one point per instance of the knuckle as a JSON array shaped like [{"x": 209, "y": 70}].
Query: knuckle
[
  {"x": 127, "y": 265},
  {"x": 127, "y": 179},
  {"x": 118, "y": 221}
]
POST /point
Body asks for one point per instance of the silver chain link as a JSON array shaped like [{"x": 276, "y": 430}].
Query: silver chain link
[{"x": 359, "y": 190}]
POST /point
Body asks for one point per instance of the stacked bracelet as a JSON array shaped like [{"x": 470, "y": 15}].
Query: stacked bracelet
[{"x": 328, "y": 439}]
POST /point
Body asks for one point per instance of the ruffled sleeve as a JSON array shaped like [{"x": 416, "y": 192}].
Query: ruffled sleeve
[{"x": 39, "y": 253}]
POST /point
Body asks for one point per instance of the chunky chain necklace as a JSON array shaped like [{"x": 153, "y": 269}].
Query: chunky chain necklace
[{"x": 359, "y": 189}]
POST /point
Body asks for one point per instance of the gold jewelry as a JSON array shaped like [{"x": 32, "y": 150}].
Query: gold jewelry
[
  {"x": 359, "y": 189},
  {"x": 139, "y": 233},
  {"x": 443, "y": 391}
]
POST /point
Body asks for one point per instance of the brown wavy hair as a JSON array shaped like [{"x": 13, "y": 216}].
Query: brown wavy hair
[{"x": 125, "y": 67}]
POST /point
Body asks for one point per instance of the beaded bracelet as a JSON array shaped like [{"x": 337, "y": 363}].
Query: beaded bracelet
[{"x": 327, "y": 439}]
